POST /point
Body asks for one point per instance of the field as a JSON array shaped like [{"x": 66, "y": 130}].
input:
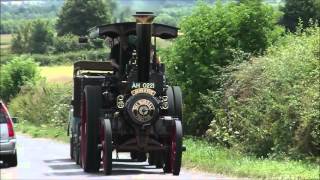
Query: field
[
  {"x": 57, "y": 74},
  {"x": 5, "y": 40}
]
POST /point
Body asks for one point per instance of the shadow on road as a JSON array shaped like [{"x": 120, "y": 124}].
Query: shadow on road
[
  {"x": 66, "y": 167},
  {"x": 57, "y": 160}
]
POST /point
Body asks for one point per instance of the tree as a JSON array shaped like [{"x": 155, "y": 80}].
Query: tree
[
  {"x": 297, "y": 9},
  {"x": 41, "y": 37},
  {"x": 77, "y": 16},
  {"x": 210, "y": 34},
  {"x": 20, "y": 40},
  {"x": 34, "y": 37}
]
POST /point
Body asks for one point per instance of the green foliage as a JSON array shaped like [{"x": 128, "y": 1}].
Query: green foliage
[
  {"x": 270, "y": 104},
  {"x": 34, "y": 37},
  {"x": 70, "y": 42},
  {"x": 14, "y": 16},
  {"x": 70, "y": 57},
  {"x": 172, "y": 15},
  {"x": 26, "y": 11},
  {"x": 205, "y": 156},
  {"x": 20, "y": 41},
  {"x": 43, "y": 130},
  {"x": 41, "y": 37},
  {"x": 15, "y": 74},
  {"x": 10, "y": 26},
  {"x": 77, "y": 16},
  {"x": 209, "y": 36},
  {"x": 63, "y": 58},
  {"x": 303, "y": 10},
  {"x": 37, "y": 37},
  {"x": 44, "y": 104}
]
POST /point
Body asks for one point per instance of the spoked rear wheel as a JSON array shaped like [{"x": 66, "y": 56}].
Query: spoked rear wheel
[
  {"x": 174, "y": 154},
  {"x": 107, "y": 147},
  {"x": 91, "y": 104}
]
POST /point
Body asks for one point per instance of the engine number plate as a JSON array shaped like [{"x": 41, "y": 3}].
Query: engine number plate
[
  {"x": 136, "y": 85},
  {"x": 143, "y": 90}
]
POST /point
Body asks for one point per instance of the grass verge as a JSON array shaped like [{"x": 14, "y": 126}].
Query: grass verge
[
  {"x": 207, "y": 157},
  {"x": 42, "y": 131},
  {"x": 203, "y": 156}
]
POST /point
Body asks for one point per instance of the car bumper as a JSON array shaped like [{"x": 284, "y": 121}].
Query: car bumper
[{"x": 8, "y": 147}]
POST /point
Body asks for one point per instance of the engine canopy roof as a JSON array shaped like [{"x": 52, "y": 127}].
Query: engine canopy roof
[{"x": 129, "y": 28}]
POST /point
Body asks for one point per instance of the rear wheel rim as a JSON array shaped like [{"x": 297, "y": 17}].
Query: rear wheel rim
[{"x": 173, "y": 151}]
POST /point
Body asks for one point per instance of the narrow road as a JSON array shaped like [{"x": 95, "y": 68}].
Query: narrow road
[{"x": 47, "y": 159}]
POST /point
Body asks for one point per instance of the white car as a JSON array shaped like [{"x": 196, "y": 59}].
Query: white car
[{"x": 8, "y": 152}]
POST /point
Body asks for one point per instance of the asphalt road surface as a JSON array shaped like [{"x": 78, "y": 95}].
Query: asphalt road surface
[{"x": 47, "y": 159}]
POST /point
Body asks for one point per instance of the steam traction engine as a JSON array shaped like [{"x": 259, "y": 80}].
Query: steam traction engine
[{"x": 129, "y": 109}]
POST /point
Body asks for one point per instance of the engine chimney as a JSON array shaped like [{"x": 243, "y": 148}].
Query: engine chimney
[{"x": 144, "y": 32}]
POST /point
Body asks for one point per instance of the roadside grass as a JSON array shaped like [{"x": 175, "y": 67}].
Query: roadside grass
[
  {"x": 42, "y": 131},
  {"x": 204, "y": 156},
  {"x": 57, "y": 74}
]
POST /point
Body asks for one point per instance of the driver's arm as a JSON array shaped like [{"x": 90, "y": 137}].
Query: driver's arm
[{"x": 114, "y": 63}]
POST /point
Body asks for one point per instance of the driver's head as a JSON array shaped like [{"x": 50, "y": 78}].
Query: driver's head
[{"x": 132, "y": 39}]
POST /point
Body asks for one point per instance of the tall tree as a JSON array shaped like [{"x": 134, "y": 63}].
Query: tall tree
[
  {"x": 41, "y": 37},
  {"x": 298, "y": 9},
  {"x": 77, "y": 16},
  {"x": 34, "y": 37}
]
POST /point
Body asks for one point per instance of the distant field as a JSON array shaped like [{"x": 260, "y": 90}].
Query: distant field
[
  {"x": 5, "y": 41},
  {"x": 57, "y": 74}
]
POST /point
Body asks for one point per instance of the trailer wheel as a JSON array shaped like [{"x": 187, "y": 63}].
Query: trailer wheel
[
  {"x": 77, "y": 146},
  {"x": 91, "y": 104},
  {"x": 177, "y": 101},
  {"x": 174, "y": 154},
  {"x": 107, "y": 147},
  {"x": 72, "y": 148}
]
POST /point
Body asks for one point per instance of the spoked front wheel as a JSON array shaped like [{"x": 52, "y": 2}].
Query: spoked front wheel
[
  {"x": 174, "y": 154},
  {"x": 107, "y": 147}
]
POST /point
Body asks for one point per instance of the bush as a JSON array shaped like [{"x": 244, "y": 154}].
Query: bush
[
  {"x": 211, "y": 34},
  {"x": 33, "y": 37},
  {"x": 69, "y": 42},
  {"x": 64, "y": 58},
  {"x": 70, "y": 57},
  {"x": 45, "y": 104},
  {"x": 15, "y": 74},
  {"x": 271, "y": 104}
]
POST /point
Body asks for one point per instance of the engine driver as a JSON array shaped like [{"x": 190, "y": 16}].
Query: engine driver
[{"x": 128, "y": 45}]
